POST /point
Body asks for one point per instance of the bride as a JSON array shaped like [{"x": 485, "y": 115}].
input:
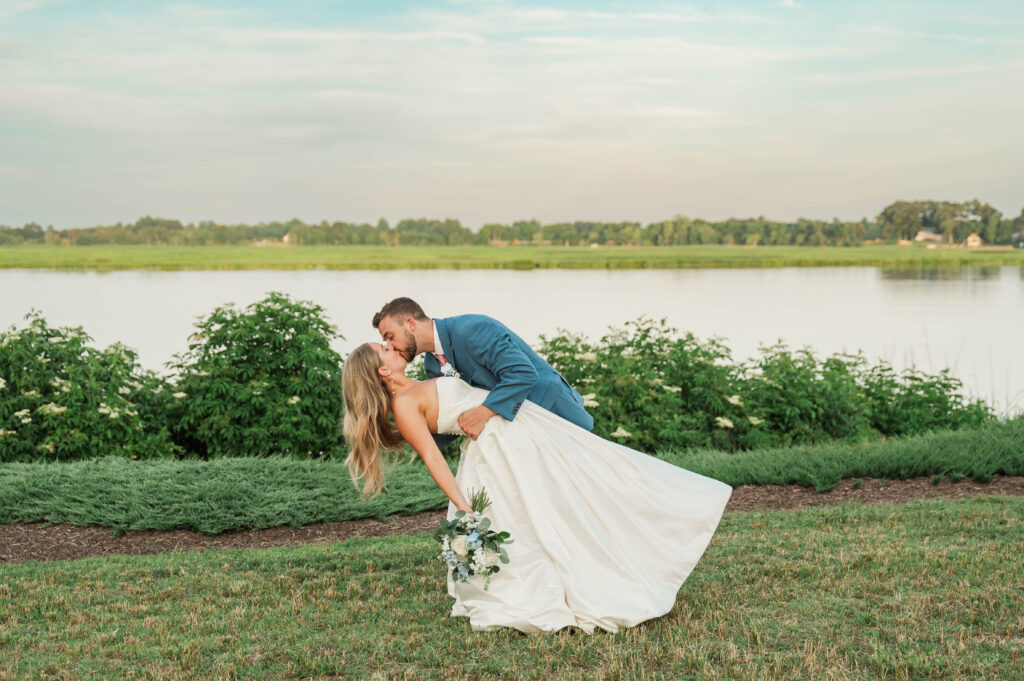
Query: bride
[{"x": 603, "y": 535}]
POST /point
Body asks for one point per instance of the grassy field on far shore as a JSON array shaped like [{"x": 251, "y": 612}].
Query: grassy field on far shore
[
  {"x": 925, "y": 590},
  {"x": 490, "y": 257}
]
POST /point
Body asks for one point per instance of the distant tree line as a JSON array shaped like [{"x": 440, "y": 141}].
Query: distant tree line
[
  {"x": 954, "y": 222},
  {"x": 900, "y": 220}
]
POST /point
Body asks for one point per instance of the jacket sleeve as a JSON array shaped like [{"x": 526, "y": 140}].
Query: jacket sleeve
[{"x": 514, "y": 371}]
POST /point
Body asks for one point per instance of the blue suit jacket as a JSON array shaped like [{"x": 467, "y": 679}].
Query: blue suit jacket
[{"x": 489, "y": 355}]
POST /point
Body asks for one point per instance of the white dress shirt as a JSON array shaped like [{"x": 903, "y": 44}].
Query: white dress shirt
[{"x": 448, "y": 369}]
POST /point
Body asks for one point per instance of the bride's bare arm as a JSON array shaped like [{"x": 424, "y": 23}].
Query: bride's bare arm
[{"x": 412, "y": 424}]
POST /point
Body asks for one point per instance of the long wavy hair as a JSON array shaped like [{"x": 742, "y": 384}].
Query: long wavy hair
[{"x": 367, "y": 428}]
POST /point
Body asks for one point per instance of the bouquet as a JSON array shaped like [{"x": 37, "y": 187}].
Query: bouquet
[{"x": 468, "y": 544}]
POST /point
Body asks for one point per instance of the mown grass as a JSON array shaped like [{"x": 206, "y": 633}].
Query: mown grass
[
  {"x": 925, "y": 590},
  {"x": 489, "y": 257},
  {"x": 231, "y": 494}
]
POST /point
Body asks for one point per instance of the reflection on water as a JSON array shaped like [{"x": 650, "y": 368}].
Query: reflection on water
[
  {"x": 968, "y": 320},
  {"x": 972, "y": 273}
]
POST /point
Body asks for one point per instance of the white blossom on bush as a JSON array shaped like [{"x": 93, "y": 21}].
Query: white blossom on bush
[
  {"x": 294, "y": 399},
  {"x": 180, "y": 395},
  {"x": 723, "y": 422},
  {"x": 735, "y": 399},
  {"x": 622, "y": 432},
  {"x": 52, "y": 408},
  {"x": 754, "y": 421}
]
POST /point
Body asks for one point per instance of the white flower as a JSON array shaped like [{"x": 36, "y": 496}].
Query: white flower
[
  {"x": 180, "y": 396},
  {"x": 114, "y": 414},
  {"x": 3, "y": 384},
  {"x": 103, "y": 408},
  {"x": 735, "y": 399},
  {"x": 723, "y": 422},
  {"x": 124, "y": 390},
  {"x": 491, "y": 558},
  {"x": 52, "y": 408},
  {"x": 294, "y": 399},
  {"x": 673, "y": 388},
  {"x": 459, "y": 546},
  {"x": 5, "y": 433},
  {"x": 23, "y": 413},
  {"x": 47, "y": 447},
  {"x": 33, "y": 393},
  {"x": 589, "y": 401},
  {"x": 754, "y": 421},
  {"x": 54, "y": 339},
  {"x": 586, "y": 356},
  {"x": 44, "y": 359},
  {"x": 202, "y": 372},
  {"x": 622, "y": 432}
]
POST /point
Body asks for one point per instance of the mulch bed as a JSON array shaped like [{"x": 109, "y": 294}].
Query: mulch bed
[{"x": 35, "y": 541}]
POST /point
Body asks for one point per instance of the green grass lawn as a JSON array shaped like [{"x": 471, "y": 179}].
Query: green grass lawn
[
  {"x": 488, "y": 257},
  {"x": 925, "y": 590},
  {"x": 228, "y": 494}
]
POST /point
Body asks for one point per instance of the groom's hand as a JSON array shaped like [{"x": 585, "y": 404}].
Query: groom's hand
[{"x": 474, "y": 420}]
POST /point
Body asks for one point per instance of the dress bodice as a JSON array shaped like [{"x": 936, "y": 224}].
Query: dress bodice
[{"x": 455, "y": 396}]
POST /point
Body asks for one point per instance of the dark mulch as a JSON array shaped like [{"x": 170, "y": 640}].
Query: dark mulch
[{"x": 36, "y": 541}]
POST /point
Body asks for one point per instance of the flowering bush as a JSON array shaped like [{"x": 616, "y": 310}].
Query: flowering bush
[
  {"x": 61, "y": 399},
  {"x": 650, "y": 389},
  {"x": 260, "y": 381}
]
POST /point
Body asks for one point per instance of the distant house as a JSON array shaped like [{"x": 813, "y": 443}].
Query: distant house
[
  {"x": 928, "y": 235},
  {"x": 973, "y": 241}
]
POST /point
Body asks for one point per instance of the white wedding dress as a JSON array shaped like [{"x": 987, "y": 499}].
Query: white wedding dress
[{"x": 603, "y": 535}]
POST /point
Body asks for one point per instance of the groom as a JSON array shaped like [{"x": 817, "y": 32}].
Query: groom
[{"x": 486, "y": 354}]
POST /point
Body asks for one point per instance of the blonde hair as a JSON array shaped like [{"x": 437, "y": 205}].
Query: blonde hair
[{"x": 367, "y": 428}]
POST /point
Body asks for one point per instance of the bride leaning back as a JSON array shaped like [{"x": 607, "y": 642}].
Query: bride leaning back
[{"x": 604, "y": 535}]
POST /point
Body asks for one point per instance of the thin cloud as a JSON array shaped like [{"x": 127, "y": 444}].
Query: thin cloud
[{"x": 905, "y": 74}]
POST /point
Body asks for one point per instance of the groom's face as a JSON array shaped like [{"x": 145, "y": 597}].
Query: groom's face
[{"x": 399, "y": 337}]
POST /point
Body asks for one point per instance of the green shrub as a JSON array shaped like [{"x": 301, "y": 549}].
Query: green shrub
[
  {"x": 650, "y": 389},
  {"x": 803, "y": 400},
  {"x": 61, "y": 399},
  {"x": 260, "y": 381},
  {"x": 915, "y": 402}
]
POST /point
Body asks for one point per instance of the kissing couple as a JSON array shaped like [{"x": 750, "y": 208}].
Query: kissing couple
[{"x": 604, "y": 535}]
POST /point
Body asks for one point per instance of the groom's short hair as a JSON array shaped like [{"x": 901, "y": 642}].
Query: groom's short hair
[{"x": 401, "y": 308}]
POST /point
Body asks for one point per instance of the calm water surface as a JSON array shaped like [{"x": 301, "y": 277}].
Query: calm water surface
[{"x": 970, "y": 320}]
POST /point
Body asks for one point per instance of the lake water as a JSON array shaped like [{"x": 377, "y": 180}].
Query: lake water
[{"x": 970, "y": 320}]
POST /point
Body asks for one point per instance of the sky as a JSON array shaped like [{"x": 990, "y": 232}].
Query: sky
[{"x": 495, "y": 111}]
